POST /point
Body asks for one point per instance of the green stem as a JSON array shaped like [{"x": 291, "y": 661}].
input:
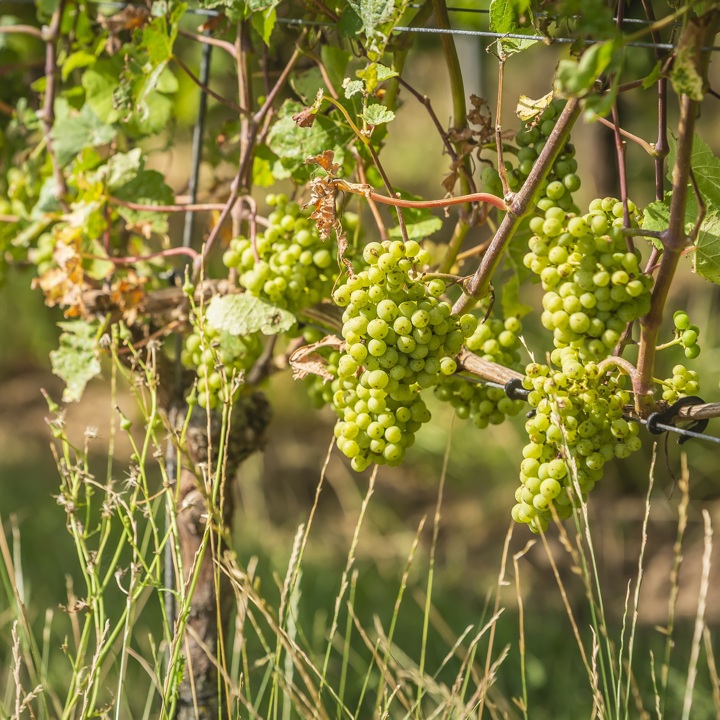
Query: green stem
[{"x": 457, "y": 89}]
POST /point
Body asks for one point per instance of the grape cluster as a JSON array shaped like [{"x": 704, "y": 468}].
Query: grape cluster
[
  {"x": 687, "y": 334},
  {"x": 481, "y": 404},
  {"x": 217, "y": 358},
  {"x": 562, "y": 181},
  {"x": 593, "y": 285},
  {"x": 399, "y": 339},
  {"x": 496, "y": 341},
  {"x": 289, "y": 266},
  {"x": 683, "y": 382},
  {"x": 577, "y": 427}
]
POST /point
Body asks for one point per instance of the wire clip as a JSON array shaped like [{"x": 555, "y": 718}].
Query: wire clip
[
  {"x": 514, "y": 389},
  {"x": 666, "y": 417}
]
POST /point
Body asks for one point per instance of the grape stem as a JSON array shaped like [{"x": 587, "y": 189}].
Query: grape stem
[
  {"x": 668, "y": 344},
  {"x": 371, "y": 204},
  {"x": 479, "y": 284},
  {"x": 447, "y": 277},
  {"x": 208, "y": 40},
  {"x": 613, "y": 361},
  {"x": 130, "y": 259},
  {"x": 208, "y": 90},
  {"x": 502, "y": 170},
  {"x": 639, "y": 232},
  {"x": 177, "y": 208},
  {"x": 368, "y": 192},
  {"x": 644, "y": 144}
]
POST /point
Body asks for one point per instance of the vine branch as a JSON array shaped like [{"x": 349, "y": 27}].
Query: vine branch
[
  {"x": 50, "y": 36},
  {"x": 695, "y": 35},
  {"x": 479, "y": 284}
]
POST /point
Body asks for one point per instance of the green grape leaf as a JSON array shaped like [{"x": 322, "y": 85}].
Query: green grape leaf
[
  {"x": 656, "y": 217},
  {"x": 707, "y": 253},
  {"x": 419, "y": 229},
  {"x": 578, "y": 77},
  {"x": 653, "y": 76},
  {"x": 352, "y": 87},
  {"x": 246, "y": 314},
  {"x": 45, "y": 8},
  {"x": 505, "y": 18},
  {"x": 47, "y": 201},
  {"x": 706, "y": 169},
  {"x": 77, "y": 360},
  {"x": 148, "y": 187},
  {"x": 306, "y": 85},
  {"x": 419, "y": 222},
  {"x": 373, "y": 74},
  {"x": 263, "y": 163},
  {"x": 706, "y": 166},
  {"x": 153, "y": 116},
  {"x": 79, "y": 59},
  {"x": 350, "y": 24},
  {"x": 100, "y": 83},
  {"x": 263, "y": 22},
  {"x": 74, "y": 131},
  {"x": 157, "y": 41},
  {"x": 262, "y": 5},
  {"x": 372, "y": 13},
  {"x": 706, "y": 256},
  {"x": 377, "y": 114},
  {"x": 121, "y": 168},
  {"x": 385, "y": 73},
  {"x": 293, "y": 144}
]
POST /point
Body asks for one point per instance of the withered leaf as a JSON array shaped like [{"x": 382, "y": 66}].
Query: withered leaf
[
  {"x": 306, "y": 361},
  {"x": 325, "y": 161},
  {"x": 305, "y": 118},
  {"x": 129, "y": 18}
]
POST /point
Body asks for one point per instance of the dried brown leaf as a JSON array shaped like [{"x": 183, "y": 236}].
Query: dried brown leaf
[
  {"x": 130, "y": 17},
  {"x": 305, "y": 118},
  {"x": 65, "y": 283},
  {"x": 127, "y": 294},
  {"x": 306, "y": 361}
]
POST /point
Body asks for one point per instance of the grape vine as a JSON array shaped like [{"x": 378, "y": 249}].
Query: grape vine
[{"x": 88, "y": 213}]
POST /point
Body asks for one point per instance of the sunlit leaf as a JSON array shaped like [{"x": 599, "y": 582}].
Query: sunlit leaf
[
  {"x": 377, "y": 114},
  {"x": 77, "y": 360},
  {"x": 246, "y": 314}
]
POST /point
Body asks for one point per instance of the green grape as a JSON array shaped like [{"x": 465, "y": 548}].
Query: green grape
[
  {"x": 577, "y": 428},
  {"x": 219, "y": 360},
  {"x": 681, "y": 320},
  {"x": 400, "y": 338},
  {"x": 288, "y": 266},
  {"x": 683, "y": 382},
  {"x": 593, "y": 286}
]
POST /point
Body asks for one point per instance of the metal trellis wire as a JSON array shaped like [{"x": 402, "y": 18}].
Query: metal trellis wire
[
  {"x": 467, "y": 32},
  {"x": 519, "y": 393}
]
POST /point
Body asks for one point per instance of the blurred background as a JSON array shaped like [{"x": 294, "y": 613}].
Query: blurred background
[{"x": 276, "y": 490}]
